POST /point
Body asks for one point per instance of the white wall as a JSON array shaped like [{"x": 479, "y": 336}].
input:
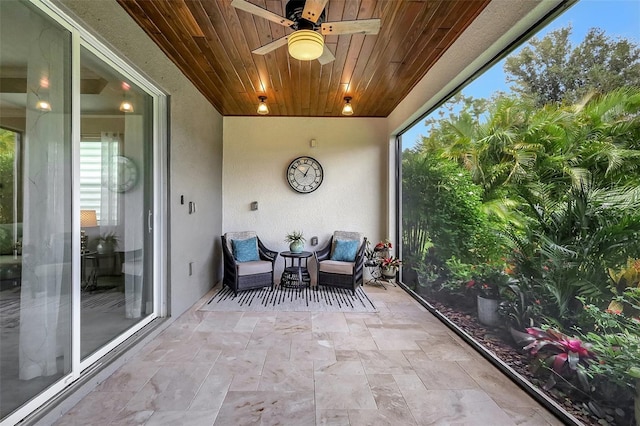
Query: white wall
[
  {"x": 353, "y": 153},
  {"x": 195, "y": 151}
]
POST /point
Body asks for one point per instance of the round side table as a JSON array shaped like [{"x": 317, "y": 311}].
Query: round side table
[{"x": 295, "y": 276}]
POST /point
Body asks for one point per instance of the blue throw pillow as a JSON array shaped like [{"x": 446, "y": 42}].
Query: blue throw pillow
[
  {"x": 245, "y": 250},
  {"x": 345, "y": 250}
]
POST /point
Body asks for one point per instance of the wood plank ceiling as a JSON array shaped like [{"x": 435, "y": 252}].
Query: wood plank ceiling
[{"x": 211, "y": 42}]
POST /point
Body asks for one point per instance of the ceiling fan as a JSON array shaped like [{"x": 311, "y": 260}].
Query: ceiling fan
[{"x": 305, "y": 18}]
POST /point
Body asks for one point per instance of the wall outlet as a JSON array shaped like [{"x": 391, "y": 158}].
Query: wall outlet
[{"x": 314, "y": 241}]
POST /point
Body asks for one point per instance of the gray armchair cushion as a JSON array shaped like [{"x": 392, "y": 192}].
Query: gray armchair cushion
[
  {"x": 254, "y": 267},
  {"x": 336, "y": 267}
]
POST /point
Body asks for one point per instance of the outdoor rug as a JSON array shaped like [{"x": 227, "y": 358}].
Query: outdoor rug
[{"x": 325, "y": 299}]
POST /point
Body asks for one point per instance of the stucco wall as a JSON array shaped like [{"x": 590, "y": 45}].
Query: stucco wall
[
  {"x": 195, "y": 151},
  {"x": 353, "y": 154}
]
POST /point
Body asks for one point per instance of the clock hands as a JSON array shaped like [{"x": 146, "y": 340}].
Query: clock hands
[{"x": 304, "y": 173}]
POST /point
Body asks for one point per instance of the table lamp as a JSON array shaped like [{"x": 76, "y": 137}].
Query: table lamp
[{"x": 87, "y": 219}]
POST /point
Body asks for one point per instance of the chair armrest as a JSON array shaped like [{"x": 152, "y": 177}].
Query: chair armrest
[
  {"x": 360, "y": 255},
  {"x": 265, "y": 253},
  {"x": 323, "y": 253},
  {"x": 227, "y": 255}
]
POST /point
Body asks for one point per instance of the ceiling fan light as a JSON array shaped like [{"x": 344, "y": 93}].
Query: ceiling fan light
[
  {"x": 347, "y": 109},
  {"x": 263, "y": 109},
  {"x": 305, "y": 45}
]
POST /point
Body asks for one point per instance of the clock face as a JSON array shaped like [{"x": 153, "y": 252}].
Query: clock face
[
  {"x": 124, "y": 174},
  {"x": 304, "y": 174}
]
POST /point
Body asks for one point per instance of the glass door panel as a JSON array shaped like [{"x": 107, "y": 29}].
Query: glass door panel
[
  {"x": 115, "y": 152},
  {"x": 35, "y": 204}
]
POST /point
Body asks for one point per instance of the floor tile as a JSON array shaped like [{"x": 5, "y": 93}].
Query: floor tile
[
  {"x": 292, "y": 376},
  {"x": 343, "y": 392},
  {"x": 172, "y": 388},
  {"x": 385, "y": 362},
  {"x": 267, "y": 408},
  {"x": 97, "y": 408},
  {"x": 399, "y": 366},
  {"x": 332, "y": 418},
  {"x": 130, "y": 377},
  {"x": 191, "y": 418},
  {"x": 211, "y": 394}
]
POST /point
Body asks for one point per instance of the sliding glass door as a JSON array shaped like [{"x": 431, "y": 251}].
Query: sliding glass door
[
  {"x": 36, "y": 204},
  {"x": 78, "y": 136},
  {"x": 115, "y": 148}
]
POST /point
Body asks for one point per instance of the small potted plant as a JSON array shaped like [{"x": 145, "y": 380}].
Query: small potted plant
[
  {"x": 389, "y": 266},
  {"x": 296, "y": 241},
  {"x": 383, "y": 248},
  {"x": 487, "y": 282},
  {"x": 107, "y": 243}
]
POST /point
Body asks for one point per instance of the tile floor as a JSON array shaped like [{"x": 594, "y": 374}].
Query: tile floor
[{"x": 399, "y": 366}]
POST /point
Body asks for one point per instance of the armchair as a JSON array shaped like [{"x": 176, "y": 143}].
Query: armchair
[
  {"x": 248, "y": 263},
  {"x": 341, "y": 261}
]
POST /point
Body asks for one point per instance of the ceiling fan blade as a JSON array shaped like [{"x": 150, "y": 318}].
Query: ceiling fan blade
[
  {"x": 313, "y": 9},
  {"x": 326, "y": 56},
  {"x": 263, "y": 13},
  {"x": 270, "y": 47},
  {"x": 363, "y": 26}
]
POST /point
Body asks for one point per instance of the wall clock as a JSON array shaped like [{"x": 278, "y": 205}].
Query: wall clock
[
  {"x": 304, "y": 174},
  {"x": 124, "y": 174}
]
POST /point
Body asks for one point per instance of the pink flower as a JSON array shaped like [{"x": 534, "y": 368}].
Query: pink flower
[{"x": 575, "y": 345}]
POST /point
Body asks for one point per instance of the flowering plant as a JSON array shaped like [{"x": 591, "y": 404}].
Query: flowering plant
[
  {"x": 484, "y": 289},
  {"x": 386, "y": 244},
  {"x": 487, "y": 281},
  {"x": 391, "y": 262},
  {"x": 564, "y": 355}
]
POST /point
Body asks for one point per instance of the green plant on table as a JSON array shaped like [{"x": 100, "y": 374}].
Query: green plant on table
[
  {"x": 109, "y": 238},
  {"x": 294, "y": 236}
]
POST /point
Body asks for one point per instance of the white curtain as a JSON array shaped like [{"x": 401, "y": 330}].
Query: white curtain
[
  {"x": 44, "y": 314},
  {"x": 134, "y": 224},
  {"x": 110, "y": 143}
]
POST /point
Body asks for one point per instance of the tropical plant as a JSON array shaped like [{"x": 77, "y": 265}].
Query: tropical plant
[
  {"x": 518, "y": 308},
  {"x": 615, "y": 340},
  {"x": 562, "y": 356},
  {"x": 442, "y": 207},
  {"x": 391, "y": 263},
  {"x": 623, "y": 278}
]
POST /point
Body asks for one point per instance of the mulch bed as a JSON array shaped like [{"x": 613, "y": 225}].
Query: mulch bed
[{"x": 500, "y": 342}]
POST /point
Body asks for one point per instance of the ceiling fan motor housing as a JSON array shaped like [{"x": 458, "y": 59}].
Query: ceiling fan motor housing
[{"x": 294, "y": 9}]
